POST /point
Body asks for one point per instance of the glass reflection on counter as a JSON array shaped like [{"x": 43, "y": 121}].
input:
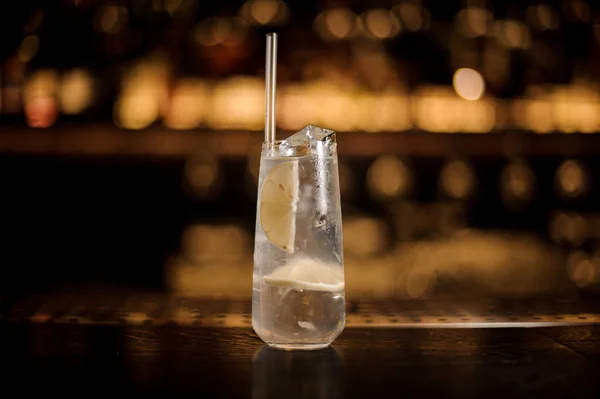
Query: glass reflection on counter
[{"x": 297, "y": 374}]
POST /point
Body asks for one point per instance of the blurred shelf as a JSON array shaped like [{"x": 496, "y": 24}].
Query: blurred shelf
[{"x": 108, "y": 141}]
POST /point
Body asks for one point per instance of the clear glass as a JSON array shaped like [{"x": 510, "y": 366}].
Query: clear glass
[{"x": 287, "y": 315}]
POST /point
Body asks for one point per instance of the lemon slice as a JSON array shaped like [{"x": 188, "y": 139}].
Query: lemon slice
[
  {"x": 278, "y": 202},
  {"x": 308, "y": 274}
]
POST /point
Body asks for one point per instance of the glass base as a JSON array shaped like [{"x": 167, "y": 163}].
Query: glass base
[{"x": 297, "y": 347}]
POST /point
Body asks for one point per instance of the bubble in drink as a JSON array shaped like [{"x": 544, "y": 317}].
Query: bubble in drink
[{"x": 298, "y": 281}]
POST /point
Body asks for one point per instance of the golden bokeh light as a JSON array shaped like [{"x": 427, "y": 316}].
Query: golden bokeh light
[
  {"x": 480, "y": 117},
  {"x": 208, "y": 279},
  {"x": 340, "y": 22},
  {"x": 41, "y": 112},
  {"x": 582, "y": 270},
  {"x": 204, "y": 242},
  {"x": 411, "y": 15},
  {"x": 363, "y": 236},
  {"x": 381, "y": 23},
  {"x": 538, "y": 116},
  {"x": 437, "y": 109},
  {"x": 567, "y": 227},
  {"x": 457, "y": 179},
  {"x": 39, "y": 97},
  {"x": 136, "y": 110},
  {"x": 342, "y": 109},
  {"x": 265, "y": 12},
  {"x": 576, "y": 107},
  {"x": 473, "y": 21},
  {"x": 44, "y": 82},
  {"x": 557, "y": 225},
  {"x": 295, "y": 107},
  {"x": 571, "y": 179},
  {"x": 576, "y": 229},
  {"x": 76, "y": 91},
  {"x": 335, "y": 108},
  {"x": 512, "y": 34},
  {"x": 238, "y": 103},
  {"x": 387, "y": 111},
  {"x": 144, "y": 95},
  {"x": 468, "y": 84},
  {"x": 517, "y": 183},
  {"x": 388, "y": 177},
  {"x": 188, "y": 106},
  {"x": 202, "y": 174},
  {"x": 421, "y": 284},
  {"x": 320, "y": 101}
]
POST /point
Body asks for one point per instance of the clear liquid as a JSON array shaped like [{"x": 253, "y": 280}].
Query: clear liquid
[{"x": 292, "y": 318}]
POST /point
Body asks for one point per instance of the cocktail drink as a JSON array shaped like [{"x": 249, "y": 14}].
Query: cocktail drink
[{"x": 298, "y": 281}]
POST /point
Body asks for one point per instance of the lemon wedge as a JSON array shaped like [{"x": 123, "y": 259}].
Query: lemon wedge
[
  {"x": 278, "y": 203},
  {"x": 308, "y": 274}
]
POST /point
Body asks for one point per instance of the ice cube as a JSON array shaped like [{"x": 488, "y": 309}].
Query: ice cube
[
  {"x": 311, "y": 138},
  {"x": 309, "y": 133}
]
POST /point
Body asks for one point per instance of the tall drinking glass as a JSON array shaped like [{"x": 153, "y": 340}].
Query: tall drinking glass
[{"x": 298, "y": 280}]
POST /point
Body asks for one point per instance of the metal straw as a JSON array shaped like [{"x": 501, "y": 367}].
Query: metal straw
[{"x": 270, "y": 86}]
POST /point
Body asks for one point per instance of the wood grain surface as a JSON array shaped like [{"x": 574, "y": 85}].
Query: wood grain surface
[{"x": 168, "y": 360}]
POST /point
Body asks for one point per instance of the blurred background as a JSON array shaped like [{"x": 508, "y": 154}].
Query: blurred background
[{"x": 130, "y": 137}]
